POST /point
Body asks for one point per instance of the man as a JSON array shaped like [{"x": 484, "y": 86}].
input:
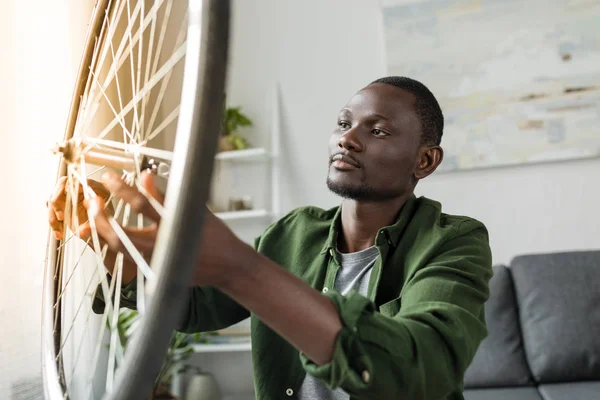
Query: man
[{"x": 379, "y": 298}]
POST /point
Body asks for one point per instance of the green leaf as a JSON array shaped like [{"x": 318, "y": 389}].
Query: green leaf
[{"x": 234, "y": 118}]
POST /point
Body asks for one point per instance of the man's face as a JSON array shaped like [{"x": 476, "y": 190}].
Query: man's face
[{"x": 373, "y": 150}]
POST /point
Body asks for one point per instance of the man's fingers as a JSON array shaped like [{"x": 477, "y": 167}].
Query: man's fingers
[
  {"x": 57, "y": 201},
  {"x": 102, "y": 222},
  {"x": 84, "y": 231},
  {"x": 55, "y": 224},
  {"x": 139, "y": 203},
  {"x": 150, "y": 186},
  {"x": 142, "y": 238},
  {"x": 99, "y": 189},
  {"x": 56, "y": 208}
]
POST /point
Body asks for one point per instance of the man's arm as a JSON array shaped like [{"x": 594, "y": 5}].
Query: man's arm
[
  {"x": 206, "y": 309},
  {"x": 420, "y": 353},
  {"x": 287, "y": 304}
]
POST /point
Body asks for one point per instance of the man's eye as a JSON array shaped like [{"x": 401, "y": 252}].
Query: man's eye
[
  {"x": 343, "y": 125},
  {"x": 379, "y": 132}
]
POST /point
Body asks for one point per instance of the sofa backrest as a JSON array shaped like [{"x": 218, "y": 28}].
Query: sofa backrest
[
  {"x": 500, "y": 359},
  {"x": 558, "y": 296}
]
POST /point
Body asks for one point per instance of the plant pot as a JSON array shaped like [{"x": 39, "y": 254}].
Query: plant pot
[
  {"x": 202, "y": 386},
  {"x": 162, "y": 393},
  {"x": 225, "y": 144}
]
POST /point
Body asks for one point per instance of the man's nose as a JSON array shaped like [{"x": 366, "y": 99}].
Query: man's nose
[{"x": 350, "y": 140}]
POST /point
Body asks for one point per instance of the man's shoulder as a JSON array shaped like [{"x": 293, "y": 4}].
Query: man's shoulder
[
  {"x": 435, "y": 236},
  {"x": 429, "y": 215}
]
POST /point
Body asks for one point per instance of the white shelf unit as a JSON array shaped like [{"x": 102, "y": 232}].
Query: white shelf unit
[
  {"x": 251, "y": 154},
  {"x": 259, "y": 154},
  {"x": 221, "y": 347},
  {"x": 242, "y": 156},
  {"x": 245, "y": 214},
  {"x": 177, "y": 382}
]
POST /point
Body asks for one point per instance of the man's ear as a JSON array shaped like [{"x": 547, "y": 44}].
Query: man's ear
[{"x": 429, "y": 158}]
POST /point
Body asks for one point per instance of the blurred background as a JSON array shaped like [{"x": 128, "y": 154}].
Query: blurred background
[{"x": 519, "y": 83}]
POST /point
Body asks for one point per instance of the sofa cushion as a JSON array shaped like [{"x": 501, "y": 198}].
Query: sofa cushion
[
  {"x": 516, "y": 393},
  {"x": 500, "y": 359},
  {"x": 571, "y": 391},
  {"x": 559, "y": 297}
]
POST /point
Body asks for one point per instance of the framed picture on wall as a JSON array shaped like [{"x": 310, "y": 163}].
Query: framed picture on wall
[{"x": 518, "y": 80}]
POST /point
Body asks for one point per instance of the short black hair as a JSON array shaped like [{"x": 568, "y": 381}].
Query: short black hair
[{"x": 426, "y": 107}]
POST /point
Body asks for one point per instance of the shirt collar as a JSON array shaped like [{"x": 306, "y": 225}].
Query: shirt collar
[{"x": 392, "y": 233}]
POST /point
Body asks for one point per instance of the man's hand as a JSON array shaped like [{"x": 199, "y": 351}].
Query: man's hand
[
  {"x": 217, "y": 248},
  {"x": 57, "y": 208},
  {"x": 81, "y": 226}
]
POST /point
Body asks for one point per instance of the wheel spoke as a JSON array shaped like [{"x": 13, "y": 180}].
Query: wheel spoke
[
  {"x": 135, "y": 126},
  {"x": 114, "y": 336},
  {"x": 72, "y": 325},
  {"x": 132, "y": 250},
  {"x": 80, "y": 345},
  {"x": 97, "y": 63},
  {"x": 134, "y": 149},
  {"x": 140, "y": 294},
  {"x": 107, "y": 311},
  {"x": 95, "y": 171},
  {"x": 173, "y": 115},
  {"x": 119, "y": 117},
  {"x": 88, "y": 85},
  {"x": 159, "y": 208},
  {"x": 165, "y": 82},
  {"x": 71, "y": 274},
  {"x": 118, "y": 86},
  {"x": 147, "y": 69},
  {"x": 122, "y": 52},
  {"x": 178, "y": 55}
]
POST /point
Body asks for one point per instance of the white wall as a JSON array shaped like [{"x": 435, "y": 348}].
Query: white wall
[
  {"x": 41, "y": 44},
  {"x": 321, "y": 52}
]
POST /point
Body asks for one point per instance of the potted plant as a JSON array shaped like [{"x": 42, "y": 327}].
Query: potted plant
[
  {"x": 233, "y": 120},
  {"x": 180, "y": 349}
]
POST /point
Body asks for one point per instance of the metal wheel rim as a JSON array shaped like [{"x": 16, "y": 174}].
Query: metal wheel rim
[{"x": 191, "y": 171}]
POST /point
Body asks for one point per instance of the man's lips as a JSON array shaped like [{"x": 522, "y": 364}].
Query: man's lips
[{"x": 344, "y": 162}]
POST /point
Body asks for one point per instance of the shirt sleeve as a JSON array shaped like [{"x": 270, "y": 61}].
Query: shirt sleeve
[
  {"x": 127, "y": 300},
  {"x": 423, "y": 350},
  {"x": 206, "y": 308}
]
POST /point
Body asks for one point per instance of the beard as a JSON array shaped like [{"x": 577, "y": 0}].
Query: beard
[{"x": 359, "y": 192}]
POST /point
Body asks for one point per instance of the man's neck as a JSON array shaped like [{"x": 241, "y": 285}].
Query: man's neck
[{"x": 362, "y": 220}]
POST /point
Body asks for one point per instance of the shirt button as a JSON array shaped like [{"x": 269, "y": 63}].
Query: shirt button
[
  {"x": 289, "y": 391},
  {"x": 331, "y": 252},
  {"x": 325, "y": 289},
  {"x": 366, "y": 376}
]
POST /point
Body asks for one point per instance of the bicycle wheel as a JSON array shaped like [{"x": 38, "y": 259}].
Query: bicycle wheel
[{"x": 150, "y": 94}]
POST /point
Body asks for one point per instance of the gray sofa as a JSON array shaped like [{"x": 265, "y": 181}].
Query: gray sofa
[{"x": 543, "y": 318}]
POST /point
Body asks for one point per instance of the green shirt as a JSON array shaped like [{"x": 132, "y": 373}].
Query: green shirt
[{"x": 414, "y": 334}]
